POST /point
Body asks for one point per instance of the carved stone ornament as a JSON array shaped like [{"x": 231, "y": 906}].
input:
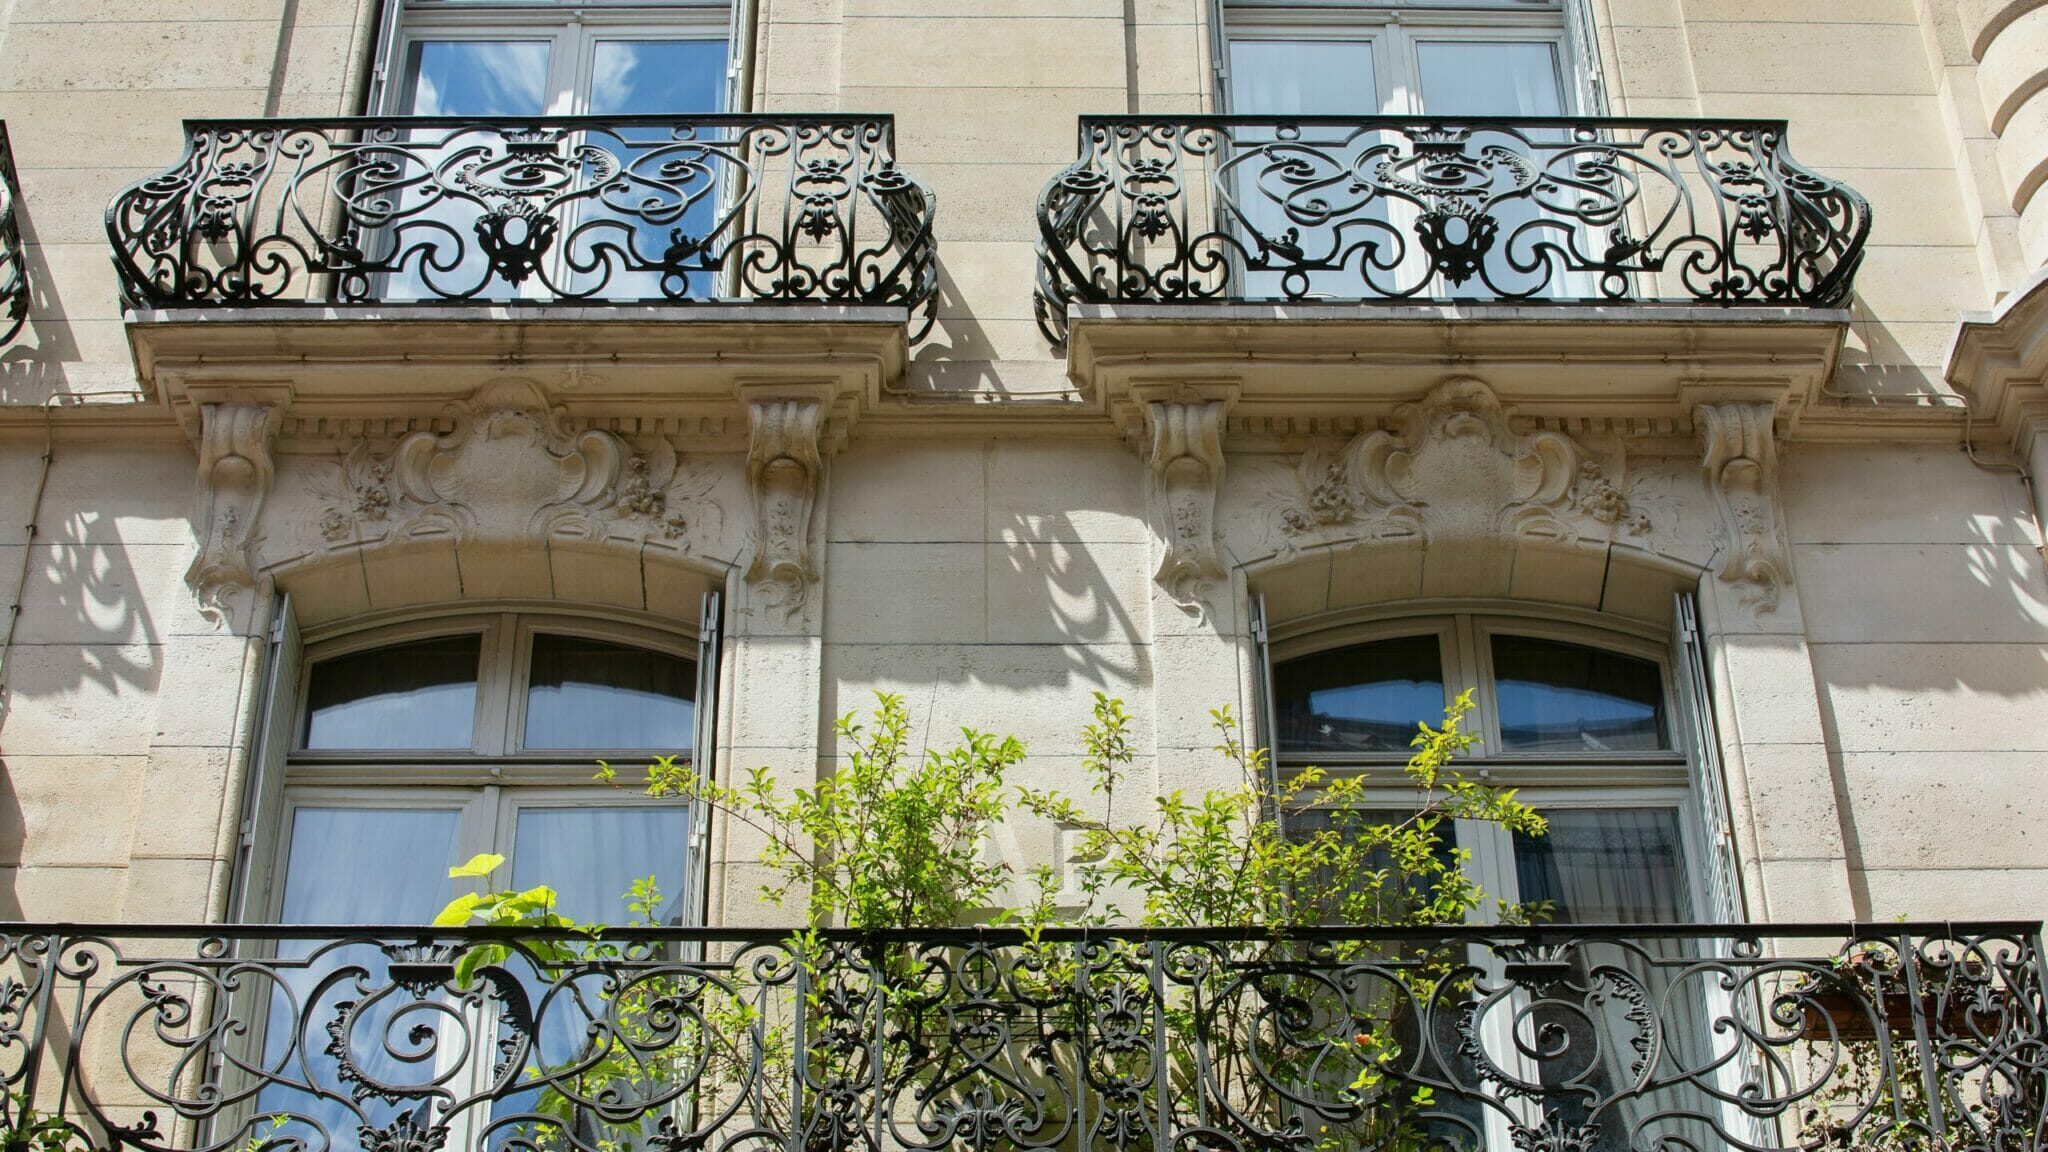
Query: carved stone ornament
[
  {"x": 1187, "y": 470},
  {"x": 784, "y": 467},
  {"x": 1741, "y": 464},
  {"x": 1453, "y": 467},
  {"x": 511, "y": 469},
  {"x": 236, "y": 473}
]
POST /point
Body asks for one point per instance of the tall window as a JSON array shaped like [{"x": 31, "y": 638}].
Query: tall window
[
  {"x": 1581, "y": 721},
  {"x": 418, "y": 747},
  {"x": 542, "y": 57},
  {"x": 1442, "y": 57},
  {"x": 1462, "y": 58},
  {"x": 601, "y": 58},
  {"x": 1592, "y": 727}
]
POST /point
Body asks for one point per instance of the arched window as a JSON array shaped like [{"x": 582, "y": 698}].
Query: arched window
[
  {"x": 417, "y": 746},
  {"x": 1584, "y": 720}
]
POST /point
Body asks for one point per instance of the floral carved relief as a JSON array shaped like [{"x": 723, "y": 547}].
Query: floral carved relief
[
  {"x": 512, "y": 469},
  {"x": 1452, "y": 466}
]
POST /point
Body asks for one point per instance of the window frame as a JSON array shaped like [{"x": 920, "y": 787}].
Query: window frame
[
  {"x": 1547, "y": 781},
  {"x": 1466, "y": 632},
  {"x": 487, "y": 789},
  {"x": 577, "y": 27},
  {"x": 1395, "y": 30},
  {"x": 504, "y": 669}
]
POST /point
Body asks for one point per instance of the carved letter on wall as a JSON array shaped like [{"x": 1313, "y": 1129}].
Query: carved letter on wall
[
  {"x": 1187, "y": 470},
  {"x": 1741, "y": 463},
  {"x": 783, "y": 471},
  {"x": 235, "y": 477}
]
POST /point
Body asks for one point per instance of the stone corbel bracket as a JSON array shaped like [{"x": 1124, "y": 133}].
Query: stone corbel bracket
[
  {"x": 1736, "y": 429},
  {"x": 237, "y": 471},
  {"x": 1183, "y": 438},
  {"x": 789, "y": 436}
]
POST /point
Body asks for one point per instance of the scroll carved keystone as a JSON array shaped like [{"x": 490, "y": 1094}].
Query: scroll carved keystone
[
  {"x": 236, "y": 474},
  {"x": 784, "y": 468},
  {"x": 1741, "y": 464}
]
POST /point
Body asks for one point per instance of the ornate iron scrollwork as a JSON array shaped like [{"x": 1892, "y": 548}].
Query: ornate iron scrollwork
[
  {"x": 14, "y": 287},
  {"x": 584, "y": 209},
  {"x": 1557, "y": 1039},
  {"x": 1237, "y": 208}
]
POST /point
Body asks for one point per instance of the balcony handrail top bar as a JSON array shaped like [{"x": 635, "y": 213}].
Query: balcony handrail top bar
[
  {"x": 1401, "y": 119},
  {"x": 1000, "y": 936},
  {"x": 636, "y": 120}
]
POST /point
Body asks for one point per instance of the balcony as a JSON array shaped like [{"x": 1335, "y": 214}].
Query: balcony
[
  {"x": 1540, "y": 1040},
  {"x": 1190, "y": 240},
  {"x": 578, "y": 238}
]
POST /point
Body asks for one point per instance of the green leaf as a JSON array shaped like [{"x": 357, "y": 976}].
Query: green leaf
[
  {"x": 479, "y": 866},
  {"x": 458, "y": 911}
]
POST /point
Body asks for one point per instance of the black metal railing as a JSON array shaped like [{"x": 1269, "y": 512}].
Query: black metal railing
[
  {"x": 1237, "y": 208},
  {"x": 592, "y": 209},
  {"x": 1636, "y": 1039},
  {"x": 14, "y": 288}
]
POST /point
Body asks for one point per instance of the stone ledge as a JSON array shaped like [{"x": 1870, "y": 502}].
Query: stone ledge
[
  {"x": 1551, "y": 362},
  {"x": 668, "y": 362}
]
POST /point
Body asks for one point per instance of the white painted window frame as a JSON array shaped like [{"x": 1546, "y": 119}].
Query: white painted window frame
[
  {"x": 572, "y": 30},
  {"x": 1550, "y": 781},
  {"x": 1395, "y": 28}
]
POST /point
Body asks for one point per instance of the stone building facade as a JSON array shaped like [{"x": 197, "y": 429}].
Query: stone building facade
[{"x": 1744, "y": 562}]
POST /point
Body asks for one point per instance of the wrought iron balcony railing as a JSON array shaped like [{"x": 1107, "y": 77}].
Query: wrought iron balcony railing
[
  {"x": 603, "y": 210},
  {"x": 14, "y": 290},
  {"x": 1557, "y": 1039},
  {"x": 1241, "y": 208}
]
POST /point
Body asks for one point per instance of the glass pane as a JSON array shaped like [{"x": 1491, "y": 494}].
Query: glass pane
[
  {"x": 1281, "y": 190},
  {"x": 657, "y": 77},
  {"x": 353, "y": 866},
  {"x": 1473, "y": 78},
  {"x": 592, "y": 857},
  {"x": 417, "y": 695},
  {"x": 1363, "y": 699},
  {"x": 590, "y": 694},
  {"x": 1606, "y": 866},
  {"x": 1557, "y": 697},
  {"x": 476, "y": 78},
  {"x": 369, "y": 865},
  {"x": 666, "y": 190},
  {"x": 1302, "y": 77}
]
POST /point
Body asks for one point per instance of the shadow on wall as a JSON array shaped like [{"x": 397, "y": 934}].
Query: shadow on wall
[
  {"x": 1061, "y": 615},
  {"x": 85, "y": 609},
  {"x": 31, "y": 373},
  {"x": 960, "y": 356}
]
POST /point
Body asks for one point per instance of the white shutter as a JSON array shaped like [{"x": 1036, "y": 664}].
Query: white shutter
[
  {"x": 1583, "y": 48},
  {"x": 263, "y": 788},
  {"x": 1265, "y": 731},
  {"x": 703, "y": 753},
  {"x": 375, "y": 96},
  {"x": 1702, "y": 745}
]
